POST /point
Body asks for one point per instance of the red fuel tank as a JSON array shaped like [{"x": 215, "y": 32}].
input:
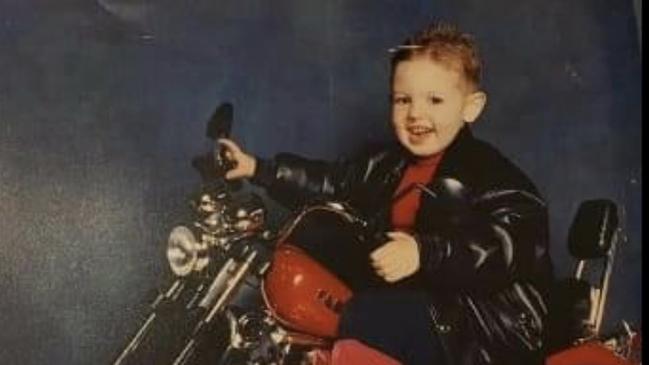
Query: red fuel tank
[{"x": 302, "y": 294}]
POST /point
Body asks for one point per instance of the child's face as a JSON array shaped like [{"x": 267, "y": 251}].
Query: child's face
[{"x": 430, "y": 103}]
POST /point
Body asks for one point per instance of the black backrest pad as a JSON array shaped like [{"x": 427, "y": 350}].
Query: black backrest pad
[{"x": 593, "y": 229}]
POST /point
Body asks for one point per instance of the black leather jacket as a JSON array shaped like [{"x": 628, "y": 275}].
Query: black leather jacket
[{"x": 483, "y": 240}]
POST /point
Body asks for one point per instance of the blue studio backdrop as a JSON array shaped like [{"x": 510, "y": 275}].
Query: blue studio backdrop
[{"x": 103, "y": 103}]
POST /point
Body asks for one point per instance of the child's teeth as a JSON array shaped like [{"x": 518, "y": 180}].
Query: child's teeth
[{"x": 418, "y": 130}]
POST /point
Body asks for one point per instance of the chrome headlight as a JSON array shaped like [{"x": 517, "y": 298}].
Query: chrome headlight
[{"x": 182, "y": 251}]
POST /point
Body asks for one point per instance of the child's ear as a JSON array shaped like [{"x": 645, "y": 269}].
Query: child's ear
[{"x": 474, "y": 103}]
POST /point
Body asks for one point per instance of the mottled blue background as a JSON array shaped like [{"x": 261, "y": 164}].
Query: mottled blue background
[{"x": 104, "y": 102}]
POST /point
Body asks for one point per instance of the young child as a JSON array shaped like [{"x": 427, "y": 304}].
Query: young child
[{"x": 474, "y": 252}]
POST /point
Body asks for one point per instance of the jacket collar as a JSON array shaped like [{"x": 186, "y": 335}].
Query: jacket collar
[
  {"x": 455, "y": 153},
  {"x": 399, "y": 158}
]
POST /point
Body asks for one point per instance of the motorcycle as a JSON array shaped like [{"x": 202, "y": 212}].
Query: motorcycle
[{"x": 249, "y": 295}]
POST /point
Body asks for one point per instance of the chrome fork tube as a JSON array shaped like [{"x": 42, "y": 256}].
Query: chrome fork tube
[{"x": 216, "y": 299}]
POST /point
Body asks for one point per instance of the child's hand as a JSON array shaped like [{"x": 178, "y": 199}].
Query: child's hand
[
  {"x": 244, "y": 164},
  {"x": 396, "y": 259}
]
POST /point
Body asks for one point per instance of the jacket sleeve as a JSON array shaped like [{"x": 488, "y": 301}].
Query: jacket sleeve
[
  {"x": 293, "y": 180},
  {"x": 486, "y": 243}
]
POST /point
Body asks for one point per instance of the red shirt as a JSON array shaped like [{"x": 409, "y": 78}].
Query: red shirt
[{"x": 405, "y": 209}]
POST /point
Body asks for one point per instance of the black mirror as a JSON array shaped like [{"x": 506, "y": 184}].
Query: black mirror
[
  {"x": 213, "y": 166},
  {"x": 220, "y": 124}
]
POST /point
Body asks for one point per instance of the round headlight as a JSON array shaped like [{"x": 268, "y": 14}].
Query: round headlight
[{"x": 182, "y": 250}]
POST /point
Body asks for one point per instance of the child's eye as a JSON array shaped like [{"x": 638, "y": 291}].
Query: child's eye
[
  {"x": 436, "y": 100},
  {"x": 401, "y": 100}
]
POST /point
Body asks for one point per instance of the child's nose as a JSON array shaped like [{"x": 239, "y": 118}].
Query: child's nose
[{"x": 416, "y": 109}]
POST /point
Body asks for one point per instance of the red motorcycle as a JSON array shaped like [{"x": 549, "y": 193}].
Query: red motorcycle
[{"x": 226, "y": 253}]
